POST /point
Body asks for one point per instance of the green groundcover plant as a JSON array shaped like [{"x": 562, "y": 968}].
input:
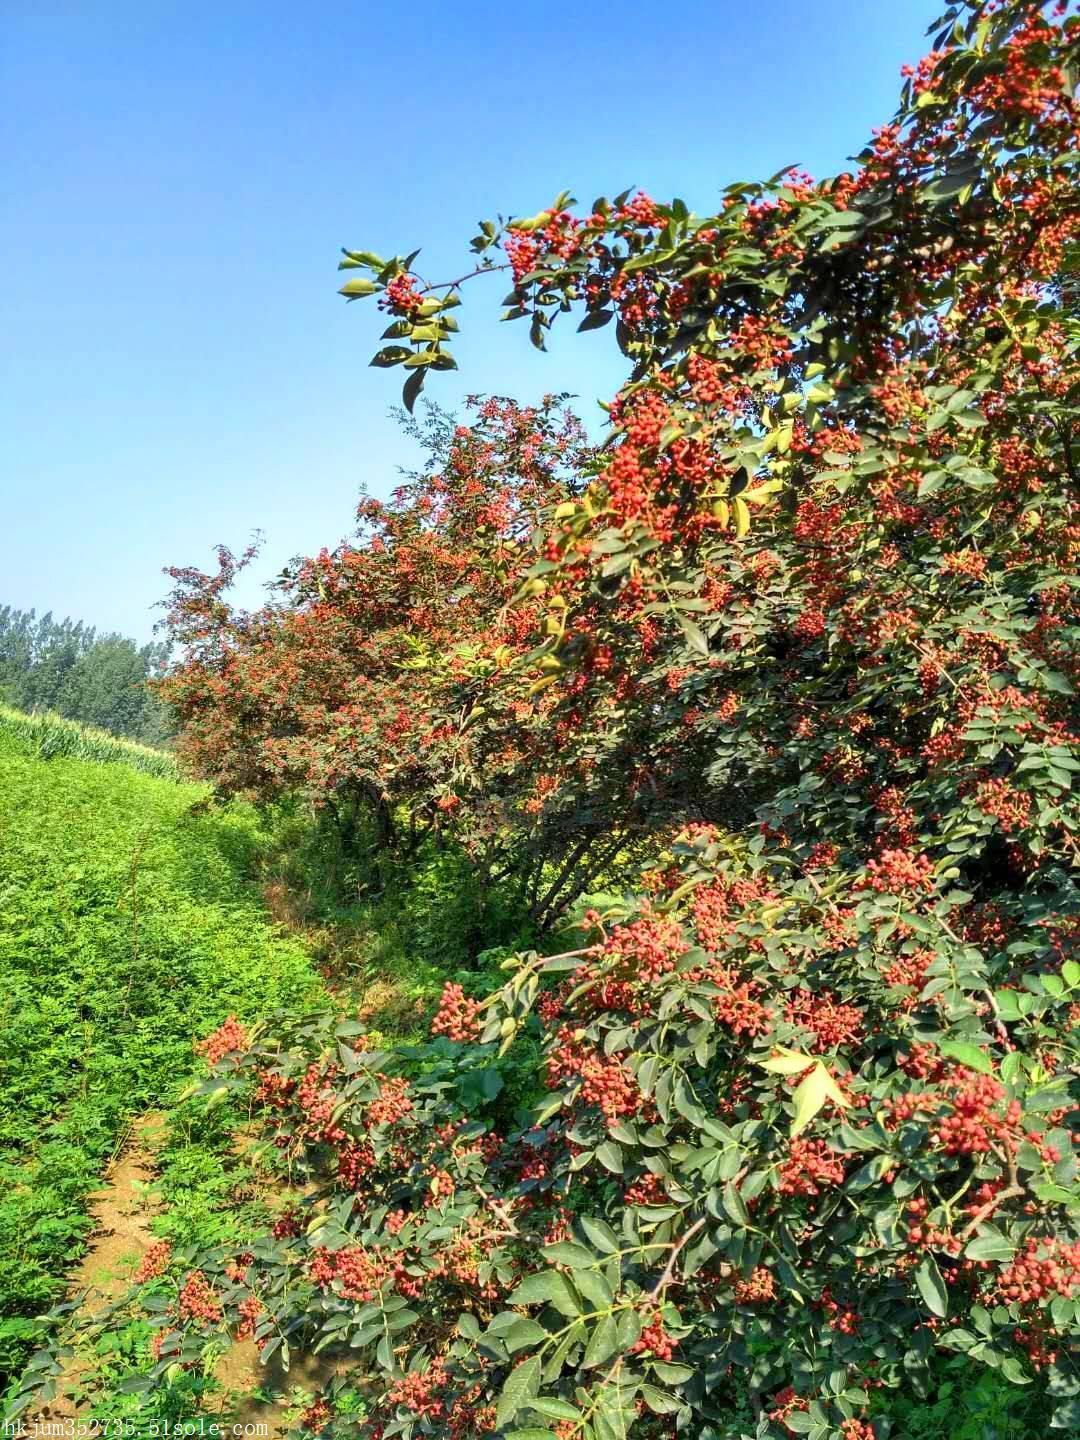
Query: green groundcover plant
[{"x": 126, "y": 921}]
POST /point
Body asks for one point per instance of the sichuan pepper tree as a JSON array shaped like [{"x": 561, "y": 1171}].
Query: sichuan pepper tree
[
  {"x": 784, "y": 1162},
  {"x": 389, "y": 680},
  {"x": 880, "y": 370},
  {"x": 360, "y": 685},
  {"x": 807, "y": 1128}
]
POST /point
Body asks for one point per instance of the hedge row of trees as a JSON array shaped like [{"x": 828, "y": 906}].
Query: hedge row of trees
[
  {"x": 805, "y": 630},
  {"x": 67, "y": 667}
]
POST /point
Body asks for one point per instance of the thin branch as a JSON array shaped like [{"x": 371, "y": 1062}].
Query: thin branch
[
  {"x": 1011, "y": 1192},
  {"x": 453, "y": 284},
  {"x": 676, "y": 1250}
]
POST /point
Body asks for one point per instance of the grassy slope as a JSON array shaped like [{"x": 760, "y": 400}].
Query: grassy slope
[{"x": 128, "y": 925}]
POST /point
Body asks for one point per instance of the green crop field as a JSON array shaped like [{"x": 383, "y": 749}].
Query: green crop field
[
  {"x": 129, "y": 924},
  {"x": 50, "y": 736}
]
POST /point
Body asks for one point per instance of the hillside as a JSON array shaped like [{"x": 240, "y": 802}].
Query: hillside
[{"x": 129, "y": 924}]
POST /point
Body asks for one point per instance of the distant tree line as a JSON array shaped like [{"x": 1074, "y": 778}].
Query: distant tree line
[{"x": 68, "y": 667}]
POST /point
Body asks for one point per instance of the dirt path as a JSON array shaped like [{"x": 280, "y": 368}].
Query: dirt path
[{"x": 123, "y": 1209}]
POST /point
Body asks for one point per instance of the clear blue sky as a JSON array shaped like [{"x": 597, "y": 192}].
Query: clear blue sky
[{"x": 177, "y": 368}]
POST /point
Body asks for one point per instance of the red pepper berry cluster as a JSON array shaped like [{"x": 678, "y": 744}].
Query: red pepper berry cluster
[
  {"x": 923, "y": 1062},
  {"x": 400, "y": 295},
  {"x": 973, "y": 1125},
  {"x": 237, "y": 1268},
  {"x": 227, "y": 1039},
  {"x": 392, "y": 1103},
  {"x": 250, "y": 1310},
  {"x": 909, "y": 971},
  {"x": 654, "y": 1339},
  {"x": 809, "y": 1166},
  {"x": 832, "y": 1023},
  {"x": 418, "y": 1392},
  {"x": 521, "y": 249},
  {"x": 442, "y": 1187},
  {"x": 651, "y": 946},
  {"x": 1010, "y": 808},
  {"x": 316, "y": 1417},
  {"x": 286, "y": 1226},
  {"x": 854, "y": 1429},
  {"x": 354, "y": 1272},
  {"x": 929, "y": 1236},
  {"x": 897, "y": 871},
  {"x": 785, "y": 1402},
  {"x": 646, "y": 1190},
  {"x": 354, "y": 1162},
  {"x": 456, "y": 1015},
  {"x": 759, "y": 1289},
  {"x": 841, "y": 1318},
  {"x": 640, "y": 210},
  {"x": 274, "y": 1089},
  {"x": 395, "y": 1222},
  {"x": 154, "y": 1262},
  {"x": 604, "y": 1082},
  {"x": 1034, "y": 1276},
  {"x": 318, "y": 1100},
  {"x": 198, "y": 1300}
]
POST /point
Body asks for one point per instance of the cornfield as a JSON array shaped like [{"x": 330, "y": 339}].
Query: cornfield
[{"x": 51, "y": 735}]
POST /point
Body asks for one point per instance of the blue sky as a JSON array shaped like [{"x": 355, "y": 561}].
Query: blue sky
[{"x": 177, "y": 369}]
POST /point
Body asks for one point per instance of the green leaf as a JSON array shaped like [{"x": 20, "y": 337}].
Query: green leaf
[
  {"x": 800, "y": 1422},
  {"x": 566, "y": 1252},
  {"x": 594, "y": 1288},
  {"x": 840, "y": 220},
  {"x": 787, "y": 1062},
  {"x": 521, "y": 1331},
  {"x": 1014, "y": 1371},
  {"x": 810, "y": 1096},
  {"x": 735, "y": 1205},
  {"x": 411, "y": 390},
  {"x": 990, "y": 1247},
  {"x": 694, "y": 634},
  {"x": 367, "y": 258},
  {"x": 673, "y": 1374},
  {"x": 554, "y": 1409},
  {"x": 930, "y": 482},
  {"x": 932, "y": 1287},
  {"x": 610, "y": 1156},
  {"x": 1012, "y": 1066},
  {"x": 391, "y": 355},
  {"x": 969, "y": 1056},
  {"x": 523, "y": 1383},
  {"x": 603, "y": 1343},
  {"x": 548, "y": 1287},
  {"x": 659, "y": 1402},
  {"x": 601, "y": 1234},
  {"x": 870, "y": 1173},
  {"x": 355, "y": 288}
]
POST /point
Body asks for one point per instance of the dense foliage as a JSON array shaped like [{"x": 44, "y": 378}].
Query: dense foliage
[
  {"x": 126, "y": 922},
  {"x": 68, "y": 668},
  {"x": 810, "y": 618},
  {"x": 367, "y": 682}
]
